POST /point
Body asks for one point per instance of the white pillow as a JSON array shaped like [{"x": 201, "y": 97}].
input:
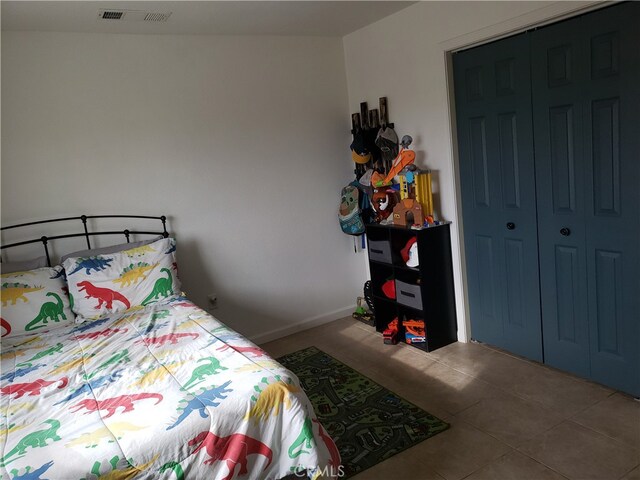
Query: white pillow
[
  {"x": 105, "y": 250},
  {"x": 104, "y": 284},
  {"x": 34, "y": 301},
  {"x": 24, "y": 265}
]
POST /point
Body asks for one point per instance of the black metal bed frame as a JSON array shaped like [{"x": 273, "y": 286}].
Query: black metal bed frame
[{"x": 86, "y": 233}]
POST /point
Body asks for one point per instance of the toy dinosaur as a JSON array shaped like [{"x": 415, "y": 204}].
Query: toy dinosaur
[
  {"x": 162, "y": 288},
  {"x": 12, "y": 292},
  {"x": 134, "y": 273},
  {"x": 172, "y": 338},
  {"x": 201, "y": 401},
  {"x": 31, "y": 388},
  {"x": 44, "y": 353},
  {"x": 48, "y": 311},
  {"x": 304, "y": 440},
  {"x": 92, "y": 263},
  {"x": 111, "y": 404},
  {"x": 34, "y": 440},
  {"x": 104, "y": 296},
  {"x": 202, "y": 371},
  {"x": 233, "y": 449}
]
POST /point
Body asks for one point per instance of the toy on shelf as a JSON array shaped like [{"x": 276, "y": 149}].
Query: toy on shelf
[
  {"x": 424, "y": 196},
  {"x": 409, "y": 253},
  {"x": 405, "y": 157},
  {"x": 384, "y": 199},
  {"x": 387, "y": 176},
  {"x": 414, "y": 331},
  {"x": 408, "y": 209},
  {"x": 390, "y": 334}
]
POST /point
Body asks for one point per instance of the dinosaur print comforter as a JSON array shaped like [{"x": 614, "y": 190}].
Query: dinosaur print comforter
[{"x": 166, "y": 392}]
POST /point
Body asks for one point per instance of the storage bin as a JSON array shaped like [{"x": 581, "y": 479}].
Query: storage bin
[
  {"x": 408, "y": 294},
  {"x": 380, "y": 251}
]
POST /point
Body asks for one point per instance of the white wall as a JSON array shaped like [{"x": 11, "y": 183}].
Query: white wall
[
  {"x": 403, "y": 57},
  {"x": 242, "y": 141}
]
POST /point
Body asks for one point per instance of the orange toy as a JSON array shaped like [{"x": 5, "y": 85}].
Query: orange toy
[
  {"x": 405, "y": 157},
  {"x": 414, "y": 331}
]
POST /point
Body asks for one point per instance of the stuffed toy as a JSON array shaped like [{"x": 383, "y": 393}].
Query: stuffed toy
[{"x": 383, "y": 202}]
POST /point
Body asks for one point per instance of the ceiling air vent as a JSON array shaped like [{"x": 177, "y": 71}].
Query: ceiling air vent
[
  {"x": 133, "y": 16},
  {"x": 111, "y": 15},
  {"x": 156, "y": 17}
]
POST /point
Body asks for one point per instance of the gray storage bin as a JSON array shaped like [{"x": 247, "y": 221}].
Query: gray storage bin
[
  {"x": 380, "y": 251},
  {"x": 408, "y": 294}
]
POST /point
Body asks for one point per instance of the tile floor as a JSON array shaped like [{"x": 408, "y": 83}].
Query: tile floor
[{"x": 510, "y": 418}]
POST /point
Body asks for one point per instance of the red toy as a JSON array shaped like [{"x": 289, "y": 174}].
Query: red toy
[
  {"x": 389, "y": 289},
  {"x": 409, "y": 253},
  {"x": 390, "y": 335}
]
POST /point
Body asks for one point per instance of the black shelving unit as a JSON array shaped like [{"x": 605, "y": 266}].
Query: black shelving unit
[{"x": 422, "y": 293}]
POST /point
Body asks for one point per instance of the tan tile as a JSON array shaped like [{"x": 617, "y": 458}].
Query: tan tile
[
  {"x": 459, "y": 451},
  {"x": 405, "y": 465},
  {"x": 510, "y": 418},
  {"x": 469, "y": 358},
  {"x": 515, "y": 466},
  {"x": 456, "y": 391},
  {"x": 412, "y": 374},
  {"x": 617, "y": 416},
  {"x": 563, "y": 393},
  {"x": 633, "y": 474},
  {"x": 580, "y": 453}
]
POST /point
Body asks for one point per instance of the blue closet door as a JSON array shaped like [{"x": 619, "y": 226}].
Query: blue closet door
[
  {"x": 493, "y": 116},
  {"x": 559, "y": 71},
  {"x": 612, "y": 219},
  {"x": 586, "y": 105}
]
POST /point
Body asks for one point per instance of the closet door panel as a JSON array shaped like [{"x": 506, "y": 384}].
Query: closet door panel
[
  {"x": 612, "y": 176},
  {"x": 558, "y": 68},
  {"x": 586, "y": 101},
  {"x": 493, "y": 103}
]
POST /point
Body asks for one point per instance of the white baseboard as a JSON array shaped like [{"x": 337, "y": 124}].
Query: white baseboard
[{"x": 303, "y": 325}]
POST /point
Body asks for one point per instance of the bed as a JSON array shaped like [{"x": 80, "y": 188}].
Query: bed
[{"x": 149, "y": 387}]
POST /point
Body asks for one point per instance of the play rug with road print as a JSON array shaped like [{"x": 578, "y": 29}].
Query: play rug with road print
[{"x": 368, "y": 422}]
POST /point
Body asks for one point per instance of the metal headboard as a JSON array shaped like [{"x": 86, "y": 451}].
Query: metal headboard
[{"x": 85, "y": 233}]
